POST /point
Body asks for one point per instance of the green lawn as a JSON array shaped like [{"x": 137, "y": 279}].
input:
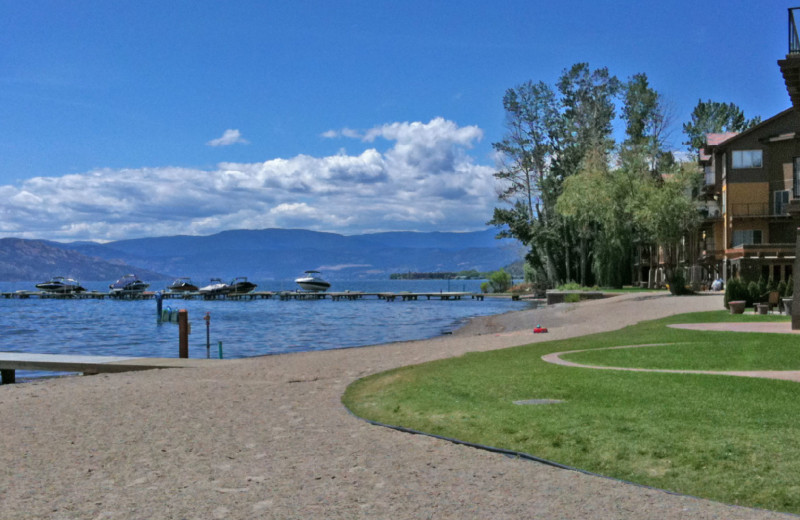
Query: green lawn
[{"x": 731, "y": 439}]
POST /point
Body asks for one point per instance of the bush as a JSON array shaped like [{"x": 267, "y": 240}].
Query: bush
[
  {"x": 677, "y": 285},
  {"x": 772, "y": 285},
  {"x": 500, "y": 281},
  {"x": 753, "y": 293},
  {"x": 570, "y": 286},
  {"x": 736, "y": 290},
  {"x": 789, "y": 288},
  {"x": 781, "y": 288}
]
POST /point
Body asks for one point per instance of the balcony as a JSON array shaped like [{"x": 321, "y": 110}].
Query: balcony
[
  {"x": 762, "y": 251},
  {"x": 790, "y": 67},
  {"x": 749, "y": 210}
]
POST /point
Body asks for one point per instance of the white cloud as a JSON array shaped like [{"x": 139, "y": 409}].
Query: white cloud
[
  {"x": 344, "y": 132},
  {"x": 424, "y": 181},
  {"x": 228, "y": 138}
]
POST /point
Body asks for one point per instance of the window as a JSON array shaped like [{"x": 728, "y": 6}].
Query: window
[
  {"x": 746, "y": 237},
  {"x": 781, "y": 200},
  {"x": 747, "y": 158},
  {"x": 709, "y": 175}
]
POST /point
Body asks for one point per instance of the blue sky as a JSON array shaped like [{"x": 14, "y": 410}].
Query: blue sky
[{"x": 139, "y": 118}]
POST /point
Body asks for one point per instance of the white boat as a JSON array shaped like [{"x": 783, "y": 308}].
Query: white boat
[
  {"x": 215, "y": 288},
  {"x": 127, "y": 285},
  {"x": 312, "y": 281},
  {"x": 60, "y": 285}
]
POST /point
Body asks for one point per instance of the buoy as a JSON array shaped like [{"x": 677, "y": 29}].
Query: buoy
[{"x": 539, "y": 329}]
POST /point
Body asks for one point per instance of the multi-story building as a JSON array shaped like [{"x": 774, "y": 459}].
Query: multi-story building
[{"x": 749, "y": 179}]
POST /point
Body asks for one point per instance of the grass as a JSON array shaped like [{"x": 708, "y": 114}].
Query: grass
[{"x": 732, "y": 439}]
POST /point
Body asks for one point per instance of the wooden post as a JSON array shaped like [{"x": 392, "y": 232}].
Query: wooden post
[
  {"x": 8, "y": 376},
  {"x": 183, "y": 334}
]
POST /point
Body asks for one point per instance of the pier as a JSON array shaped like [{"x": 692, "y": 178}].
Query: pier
[
  {"x": 10, "y": 362},
  {"x": 255, "y": 295}
]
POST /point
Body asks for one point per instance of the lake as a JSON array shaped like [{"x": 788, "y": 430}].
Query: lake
[{"x": 245, "y": 328}]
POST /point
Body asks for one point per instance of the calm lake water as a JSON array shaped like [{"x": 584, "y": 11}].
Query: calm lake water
[{"x": 246, "y": 328}]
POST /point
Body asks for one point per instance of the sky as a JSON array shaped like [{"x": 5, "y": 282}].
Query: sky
[{"x": 125, "y": 119}]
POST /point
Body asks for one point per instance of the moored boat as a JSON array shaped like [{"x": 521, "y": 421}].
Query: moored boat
[
  {"x": 182, "y": 285},
  {"x": 240, "y": 285},
  {"x": 312, "y": 281},
  {"x": 60, "y": 285},
  {"x": 127, "y": 285},
  {"x": 215, "y": 288}
]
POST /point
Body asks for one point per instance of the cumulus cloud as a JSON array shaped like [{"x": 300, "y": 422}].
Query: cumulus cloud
[
  {"x": 424, "y": 181},
  {"x": 231, "y": 136}
]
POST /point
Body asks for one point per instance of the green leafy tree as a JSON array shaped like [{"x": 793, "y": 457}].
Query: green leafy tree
[
  {"x": 548, "y": 136},
  {"x": 714, "y": 117},
  {"x": 665, "y": 212}
]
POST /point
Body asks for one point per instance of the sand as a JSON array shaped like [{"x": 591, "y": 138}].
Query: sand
[{"x": 269, "y": 438}]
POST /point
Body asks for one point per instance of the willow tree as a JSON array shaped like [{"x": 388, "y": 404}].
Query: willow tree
[{"x": 666, "y": 212}]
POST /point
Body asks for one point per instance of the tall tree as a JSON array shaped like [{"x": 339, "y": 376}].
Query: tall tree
[
  {"x": 714, "y": 117},
  {"x": 648, "y": 119},
  {"x": 548, "y": 137},
  {"x": 666, "y": 213}
]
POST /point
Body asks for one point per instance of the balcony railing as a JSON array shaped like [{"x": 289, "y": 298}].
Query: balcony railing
[
  {"x": 794, "y": 41},
  {"x": 755, "y": 209}
]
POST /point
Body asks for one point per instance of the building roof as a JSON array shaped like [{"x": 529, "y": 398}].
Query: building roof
[{"x": 715, "y": 139}]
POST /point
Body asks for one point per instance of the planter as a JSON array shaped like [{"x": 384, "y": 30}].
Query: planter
[
  {"x": 762, "y": 308},
  {"x": 737, "y": 307},
  {"x": 787, "y": 305}
]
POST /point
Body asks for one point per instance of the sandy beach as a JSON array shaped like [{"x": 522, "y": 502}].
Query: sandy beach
[{"x": 269, "y": 438}]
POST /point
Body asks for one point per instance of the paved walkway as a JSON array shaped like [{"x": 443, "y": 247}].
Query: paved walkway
[{"x": 786, "y": 375}]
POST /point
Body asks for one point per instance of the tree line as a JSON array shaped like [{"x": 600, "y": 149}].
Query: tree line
[{"x": 583, "y": 202}]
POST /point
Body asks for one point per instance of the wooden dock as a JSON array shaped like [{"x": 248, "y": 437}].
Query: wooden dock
[
  {"x": 10, "y": 362},
  {"x": 256, "y": 295}
]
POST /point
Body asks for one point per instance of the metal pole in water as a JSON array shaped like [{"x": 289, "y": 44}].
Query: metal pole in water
[
  {"x": 183, "y": 334},
  {"x": 220, "y": 350},
  {"x": 208, "y": 335}
]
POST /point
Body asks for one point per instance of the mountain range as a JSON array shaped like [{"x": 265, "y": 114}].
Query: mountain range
[{"x": 267, "y": 254}]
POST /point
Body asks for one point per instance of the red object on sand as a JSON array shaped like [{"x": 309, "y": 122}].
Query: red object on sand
[{"x": 537, "y": 329}]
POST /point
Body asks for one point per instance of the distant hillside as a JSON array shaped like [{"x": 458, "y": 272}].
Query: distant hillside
[
  {"x": 281, "y": 254},
  {"x": 37, "y": 260}
]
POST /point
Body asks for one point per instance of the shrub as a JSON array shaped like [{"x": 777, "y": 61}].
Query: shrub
[
  {"x": 736, "y": 290},
  {"x": 753, "y": 293},
  {"x": 572, "y": 298},
  {"x": 570, "y": 286},
  {"x": 789, "y": 288},
  {"x": 677, "y": 285},
  {"x": 500, "y": 281},
  {"x": 781, "y": 288},
  {"x": 772, "y": 285}
]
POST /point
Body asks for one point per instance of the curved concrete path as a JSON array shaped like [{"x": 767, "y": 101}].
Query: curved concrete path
[
  {"x": 786, "y": 375},
  {"x": 268, "y": 438}
]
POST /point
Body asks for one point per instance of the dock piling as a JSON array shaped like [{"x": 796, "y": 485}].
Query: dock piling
[{"x": 183, "y": 334}]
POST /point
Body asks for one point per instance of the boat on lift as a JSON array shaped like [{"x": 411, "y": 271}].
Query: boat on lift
[
  {"x": 61, "y": 285},
  {"x": 216, "y": 288},
  {"x": 240, "y": 285},
  {"x": 312, "y": 281},
  {"x": 182, "y": 285},
  {"x": 127, "y": 285}
]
